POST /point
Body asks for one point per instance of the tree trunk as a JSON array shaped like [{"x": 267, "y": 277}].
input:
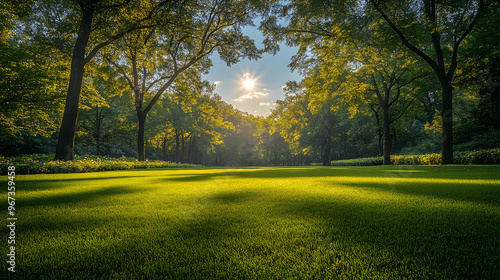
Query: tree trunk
[
  {"x": 177, "y": 156},
  {"x": 164, "y": 146},
  {"x": 183, "y": 149},
  {"x": 386, "y": 135},
  {"x": 326, "y": 154},
  {"x": 191, "y": 151},
  {"x": 98, "y": 131},
  {"x": 379, "y": 135},
  {"x": 98, "y": 147},
  {"x": 66, "y": 140},
  {"x": 140, "y": 136},
  {"x": 447, "y": 115}
]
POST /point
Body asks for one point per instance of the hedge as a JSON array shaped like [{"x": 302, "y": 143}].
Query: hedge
[
  {"x": 38, "y": 164},
  {"x": 491, "y": 156}
]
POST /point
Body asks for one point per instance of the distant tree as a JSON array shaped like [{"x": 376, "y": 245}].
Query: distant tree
[
  {"x": 292, "y": 115},
  {"x": 272, "y": 147},
  {"x": 381, "y": 80},
  {"x": 102, "y": 103}
]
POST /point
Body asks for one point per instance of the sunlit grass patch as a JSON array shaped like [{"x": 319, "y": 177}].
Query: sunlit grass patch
[{"x": 404, "y": 222}]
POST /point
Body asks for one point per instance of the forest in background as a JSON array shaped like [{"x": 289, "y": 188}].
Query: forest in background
[{"x": 364, "y": 92}]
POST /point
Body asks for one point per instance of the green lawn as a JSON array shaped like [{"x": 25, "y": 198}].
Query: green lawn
[{"x": 382, "y": 222}]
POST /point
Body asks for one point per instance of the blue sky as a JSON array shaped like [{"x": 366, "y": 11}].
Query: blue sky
[{"x": 269, "y": 73}]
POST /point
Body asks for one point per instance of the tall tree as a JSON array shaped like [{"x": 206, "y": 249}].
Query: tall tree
[
  {"x": 81, "y": 28},
  {"x": 433, "y": 30},
  {"x": 444, "y": 25},
  {"x": 381, "y": 80},
  {"x": 154, "y": 59}
]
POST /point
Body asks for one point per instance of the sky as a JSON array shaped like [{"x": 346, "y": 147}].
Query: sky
[{"x": 268, "y": 74}]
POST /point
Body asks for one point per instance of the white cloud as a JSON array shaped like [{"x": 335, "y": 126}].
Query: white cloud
[
  {"x": 217, "y": 83},
  {"x": 251, "y": 95},
  {"x": 264, "y": 104}
]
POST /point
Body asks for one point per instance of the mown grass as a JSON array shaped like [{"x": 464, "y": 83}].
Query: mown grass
[{"x": 381, "y": 222}]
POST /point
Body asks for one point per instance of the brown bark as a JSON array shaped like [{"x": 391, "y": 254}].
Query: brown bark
[
  {"x": 140, "y": 135},
  {"x": 447, "y": 115},
  {"x": 386, "y": 134},
  {"x": 66, "y": 140}
]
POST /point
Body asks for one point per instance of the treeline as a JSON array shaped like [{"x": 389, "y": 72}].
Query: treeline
[{"x": 124, "y": 79}]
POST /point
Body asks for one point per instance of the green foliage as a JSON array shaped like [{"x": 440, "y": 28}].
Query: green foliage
[
  {"x": 467, "y": 158},
  {"x": 154, "y": 66},
  {"x": 359, "y": 162},
  {"x": 478, "y": 157},
  {"x": 488, "y": 140},
  {"x": 429, "y": 159},
  {"x": 41, "y": 164}
]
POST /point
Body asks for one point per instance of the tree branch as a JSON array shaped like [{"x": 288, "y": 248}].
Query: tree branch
[
  {"x": 454, "y": 63},
  {"x": 94, "y": 51},
  {"x": 403, "y": 38}
]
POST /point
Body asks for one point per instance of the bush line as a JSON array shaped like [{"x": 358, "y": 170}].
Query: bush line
[
  {"x": 491, "y": 156},
  {"x": 43, "y": 164}
]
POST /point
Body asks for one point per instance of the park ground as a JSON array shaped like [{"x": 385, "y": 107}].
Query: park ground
[{"x": 377, "y": 222}]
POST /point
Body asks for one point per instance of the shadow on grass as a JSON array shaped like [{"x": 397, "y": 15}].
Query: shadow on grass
[
  {"x": 48, "y": 184},
  {"x": 385, "y": 179},
  {"x": 488, "y": 194},
  {"x": 77, "y": 197},
  {"x": 234, "y": 196},
  {"x": 406, "y": 239},
  {"x": 425, "y": 172},
  {"x": 350, "y": 239}
]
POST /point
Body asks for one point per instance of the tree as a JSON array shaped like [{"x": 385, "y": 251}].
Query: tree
[
  {"x": 102, "y": 102},
  {"x": 432, "y": 30},
  {"x": 292, "y": 116},
  {"x": 271, "y": 146},
  {"x": 158, "y": 57},
  {"x": 81, "y": 28},
  {"x": 31, "y": 79},
  {"x": 387, "y": 74},
  {"x": 444, "y": 25}
]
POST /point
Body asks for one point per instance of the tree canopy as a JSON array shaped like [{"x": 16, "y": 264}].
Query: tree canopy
[{"x": 125, "y": 78}]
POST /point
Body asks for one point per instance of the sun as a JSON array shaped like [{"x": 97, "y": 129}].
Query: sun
[{"x": 249, "y": 84}]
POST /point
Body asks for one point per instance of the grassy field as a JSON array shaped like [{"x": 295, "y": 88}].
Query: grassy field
[{"x": 382, "y": 222}]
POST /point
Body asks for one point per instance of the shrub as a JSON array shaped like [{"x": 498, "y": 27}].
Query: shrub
[
  {"x": 491, "y": 156},
  {"x": 428, "y": 159},
  {"x": 359, "y": 162},
  {"x": 37, "y": 164},
  {"x": 487, "y": 140},
  {"x": 478, "y": 157}
]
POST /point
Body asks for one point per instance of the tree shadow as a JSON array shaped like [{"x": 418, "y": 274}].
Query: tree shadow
[
  {"x": 48, "y": 184},
  {"x": 381, "y": 237},
  {"x": 77, "y": 197},
  {"x": 466, "y": 180},
  {"x": 425, "y": 172},
  {"x": 234, "y": 196},
  {"x": 392, "y": 237},
  {"x": 487, "y": 194}
]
